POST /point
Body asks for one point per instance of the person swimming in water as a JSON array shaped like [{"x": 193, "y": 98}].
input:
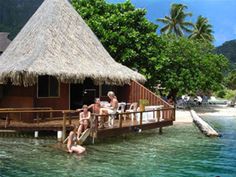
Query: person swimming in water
[{"x": 72, "y": 143}]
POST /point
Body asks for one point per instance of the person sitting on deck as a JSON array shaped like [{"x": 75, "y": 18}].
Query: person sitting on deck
[
  {"x": 112, "y": 109},
  {"x": 96, "y": 106},
  {"x": 84, "y": 120},
  {"x": 72, "y": 145}
]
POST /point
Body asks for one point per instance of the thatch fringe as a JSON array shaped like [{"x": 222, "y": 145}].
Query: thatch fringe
[{"x": 29, "y": 79}]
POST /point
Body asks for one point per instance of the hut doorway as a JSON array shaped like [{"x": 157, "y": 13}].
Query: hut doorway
[{"x": 81, "y": 94}]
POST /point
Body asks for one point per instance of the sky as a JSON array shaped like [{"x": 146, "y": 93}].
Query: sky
[{"x": 220, "y": 13}]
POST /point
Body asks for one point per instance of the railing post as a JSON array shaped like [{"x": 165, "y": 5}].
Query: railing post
[
  {"x": 120, "y": 121},
  {"x": 64, "y": 127},
  {"x": 7, "y": 122},
  {"x": 158, "y": 115},
  {"x": 153, "y": 113},
  {"x": 69, "y": 118},
  {"x": 173, "y": 114},
  {"x": 37, "y": 117},
  {"x": 141, "y": 119},
  {"x": 93, "y": 127},
  {"x": 96, "y": 123}
]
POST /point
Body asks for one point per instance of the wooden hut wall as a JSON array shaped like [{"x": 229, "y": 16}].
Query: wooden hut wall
[
  {"x": 59, "y": 103},
  {"x": 17, "y": 97},
  {"x": 137, "y": 91}
]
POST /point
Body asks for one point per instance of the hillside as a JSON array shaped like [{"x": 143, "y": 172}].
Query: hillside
[
  {"x": 228, "y": 49},
  {"x": 15, "y": 13}
]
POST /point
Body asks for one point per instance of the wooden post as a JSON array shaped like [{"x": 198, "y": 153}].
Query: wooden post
[
  {"x": 173, "y": 114},
  {"x": 96, "y": 123},
  {"x": 69, "y": 119},
  {"x": 160, "y": 130},
  {"x": 164, "y": 114},
  {"x": 64, "y": 127},
  {"x": 20, "y": 116},
  {"x": 158, "y": 115},
  {"x": 141, "y": 119},
  {"x": 120, "y": 121},
  {"x": 7, "y": 122},
  {"x": 37, "y": 117},
  {"x": 153, "y": 113}
]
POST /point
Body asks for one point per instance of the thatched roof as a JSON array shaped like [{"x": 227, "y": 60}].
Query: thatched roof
[
  {"x": 57, "y": 42},
  {"x": 4, "y": 41}
]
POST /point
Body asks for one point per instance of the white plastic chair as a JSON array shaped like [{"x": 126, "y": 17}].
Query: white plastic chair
[
  {"x": 133, "y": 108},
  {"x": 120, "y": 109}
]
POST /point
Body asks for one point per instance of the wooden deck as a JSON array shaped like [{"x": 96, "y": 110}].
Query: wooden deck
[{"x": 156, "y": 119}]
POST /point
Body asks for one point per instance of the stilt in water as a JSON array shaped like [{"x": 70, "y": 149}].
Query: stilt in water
[
  {"x": 36, "y": 134},
  {"x": 59, "y": 135},
  {"x": 160, "y": 130}
]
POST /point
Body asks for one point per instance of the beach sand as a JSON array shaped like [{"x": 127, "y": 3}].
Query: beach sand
[{"x": 184, "y": 116}]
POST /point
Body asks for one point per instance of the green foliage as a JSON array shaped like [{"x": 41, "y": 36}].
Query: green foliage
[
  {"x": 226, "y": 94},
  {"x": 202, "y": 30},
  {"x": 221, "y": 94},
  {"x": 179, "y": 64},
  {"x": 124, "y": 31},
  {"x": 230, "y": 94},
  {"x": 230, "y": 80},
  {"x": 228, "y": 50},
  {"x": 175, "y": 23},
  {"x": 188, "y": 65},
  {"x": 143, "y": 102}
]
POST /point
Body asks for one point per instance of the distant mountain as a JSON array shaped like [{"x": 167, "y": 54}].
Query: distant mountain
[
  {"x": 15, "y": 13},
  {"x": 228, "y": 49}
]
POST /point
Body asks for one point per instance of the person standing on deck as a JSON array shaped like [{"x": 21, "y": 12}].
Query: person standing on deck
[
  {"x": 111, "y": 109},
  {"x": 72, "y": 142}
]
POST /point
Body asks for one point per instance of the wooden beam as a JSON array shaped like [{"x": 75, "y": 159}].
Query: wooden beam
[
  {"x": 64, "y": 127},
  {"x": 103, "y": 133}
]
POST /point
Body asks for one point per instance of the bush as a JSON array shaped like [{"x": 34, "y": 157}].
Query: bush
[
  {"x": 221, "y": 94},
  {"x": 230, "y": 94}
]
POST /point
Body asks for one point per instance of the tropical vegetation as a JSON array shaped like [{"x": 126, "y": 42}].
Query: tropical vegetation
[
  {"x": 178, "y": 59},
  {"x": 180, "y": 64},
  {"x": 176, "y": 22},
  {"x": 202, "y": 30}
]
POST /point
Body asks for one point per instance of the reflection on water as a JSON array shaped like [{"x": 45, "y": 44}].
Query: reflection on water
[{"x": 180, "y": 151}]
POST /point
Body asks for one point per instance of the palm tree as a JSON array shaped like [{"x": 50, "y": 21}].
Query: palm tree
[
  {"x": 202, "y": 30},
  {"x": 175, "y": 23}
]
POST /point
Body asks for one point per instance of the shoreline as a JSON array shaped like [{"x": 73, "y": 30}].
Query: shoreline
[{"x": 184, "y": 116}]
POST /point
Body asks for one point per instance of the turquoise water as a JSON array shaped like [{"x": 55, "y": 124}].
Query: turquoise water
[{"x": 180, "y": 151}]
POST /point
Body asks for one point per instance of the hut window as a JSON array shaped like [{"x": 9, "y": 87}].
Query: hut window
[{"x": 48, "y": 86}]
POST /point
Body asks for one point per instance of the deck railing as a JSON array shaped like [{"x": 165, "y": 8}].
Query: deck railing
[
  {"x": 66, "y": 116},
  {"x": 158, "y": 116},
  {"x": 138, "y": 91}
]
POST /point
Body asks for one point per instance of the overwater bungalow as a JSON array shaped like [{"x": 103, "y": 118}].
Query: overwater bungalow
[{"x": 57, "y": 63}]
